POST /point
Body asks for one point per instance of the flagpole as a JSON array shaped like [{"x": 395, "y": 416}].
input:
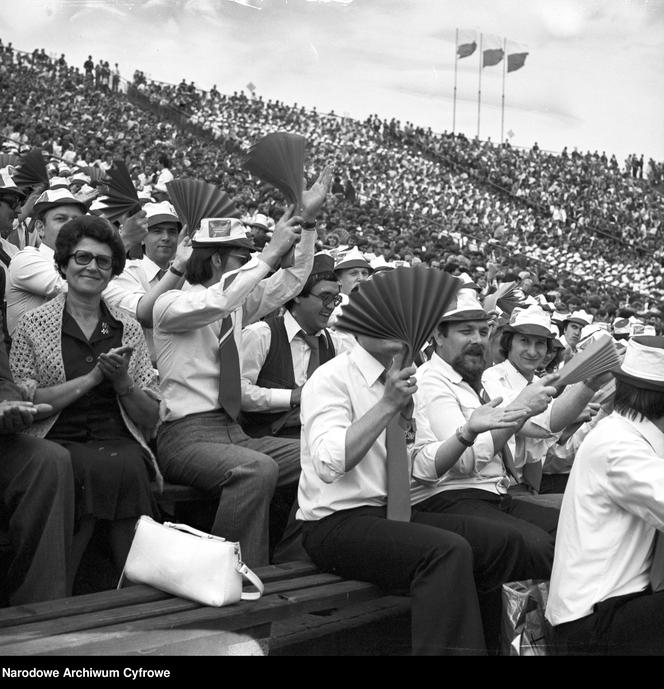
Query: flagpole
[
  {"x": 502, "y": 110},
  {"x": 456, "y": 60},
  {"x": 479, "y": 91}
]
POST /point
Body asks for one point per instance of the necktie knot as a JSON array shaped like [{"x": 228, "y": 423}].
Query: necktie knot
[{"x": 160, "y": 273}]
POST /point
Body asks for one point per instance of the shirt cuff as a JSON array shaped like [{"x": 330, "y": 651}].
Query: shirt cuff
[{"x": 280, "y": 398}]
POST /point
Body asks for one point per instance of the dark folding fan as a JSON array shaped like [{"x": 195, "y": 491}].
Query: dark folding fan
[
  {"x": 402, "y": 304},
  {"x": 507, "y": 297},
  {"x": 121, "y": 195},
  {"x": 194, "y": 199},
  {"x": 9, "y": 159},
  {"x": 31, "y": 172},
  {"x": 278, "y": 159}
]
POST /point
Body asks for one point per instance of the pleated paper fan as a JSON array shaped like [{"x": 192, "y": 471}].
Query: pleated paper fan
[
  {"x": 402, "y": 304},
  {"x": 96, "y": 174},
  {"x": 507, "y": 297},
  {"x": 9, "y": 159},
  {"x": 121, "y": 195},
  {"x": 278, "y": 159},
  {"x": 598, "y": 357},
  {"x": 31, "y": 170},
  {"x": 194, "y": 199}
]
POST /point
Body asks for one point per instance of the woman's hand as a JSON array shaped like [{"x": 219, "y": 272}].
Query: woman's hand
[
  {"x": 490, "y": 416},
  {"x": 114, "y": 365}
]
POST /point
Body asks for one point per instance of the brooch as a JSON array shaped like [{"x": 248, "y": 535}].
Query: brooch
[{"x": 104, "y": 329}]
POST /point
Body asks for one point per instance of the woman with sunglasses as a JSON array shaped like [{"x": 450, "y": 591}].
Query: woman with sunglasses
[{"x": 91, "y": 364}]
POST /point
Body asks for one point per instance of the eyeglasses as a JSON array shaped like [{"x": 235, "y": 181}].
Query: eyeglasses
[
  {"x": 83, "y": 258},
  {"x": 328, "y": 299},
  {"x": 12, "y": 201}
]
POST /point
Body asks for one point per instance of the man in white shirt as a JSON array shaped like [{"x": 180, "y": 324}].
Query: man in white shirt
[
  {"x": 600, "y": 598},
  {"x": 443, "y": 561},
  {"x": 571, "y": 330},
  {"x": 351, "y": 269},
  {"x": 33, "y": 279},
  {"x": 161, "y": 269},
  {"x": 466, "y": 472},
  {"x": 197, "y": 336}
]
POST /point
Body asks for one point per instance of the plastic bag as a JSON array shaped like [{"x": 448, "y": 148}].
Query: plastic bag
[{"x": 524, "y": 630}]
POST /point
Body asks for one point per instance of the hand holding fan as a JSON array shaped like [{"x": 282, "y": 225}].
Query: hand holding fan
[
  {"x": 599, "y": 357},
  {"x": 31, "y": 171},
  {"x": 194, "y": 199},
  {"x": 122, "y": 197},
  {"x": 278, "y": 159},
  {"x": 402, "y": 304},
  {"x": 507, "y": 296}
]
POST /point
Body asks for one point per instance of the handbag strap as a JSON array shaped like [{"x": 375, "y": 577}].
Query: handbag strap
[
  {"x": 253, "y": 578},
  {"x": 190, "y": 529}
]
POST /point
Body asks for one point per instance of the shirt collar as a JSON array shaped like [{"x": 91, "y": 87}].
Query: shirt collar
[
  {"x": 293, "y": 327},
  {"x": 650, "y": 432},
  {"x": 46, "y": 251},
  {"x": 150, "y": 268},
  {"x": 370, "y": 368},
  {"x": 446, "y": 369},
  {"x": 515, "y": 378}
]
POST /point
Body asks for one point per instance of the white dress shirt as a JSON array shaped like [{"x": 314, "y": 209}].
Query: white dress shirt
[
  {"x": 187, "y": 325},
  {"x": 128, "y": 288},
  {"x": 256, "y": 340},
  {"x": 613, "y": 503},
  {"x": 443, "y": 402},
  {"x": 32, "y": 281},
  {"x": 506, "y": 381},
  {"x": 339, "y": 393}
]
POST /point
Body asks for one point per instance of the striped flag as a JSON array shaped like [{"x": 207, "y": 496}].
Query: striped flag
[
  {"x": 467, "y": 43},
  {"x": 516, "y": 61}
]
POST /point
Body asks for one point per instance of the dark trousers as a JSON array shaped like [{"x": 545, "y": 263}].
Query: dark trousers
[
  {"x": 623, "y": 625},
  {"x": 37, "y": 496},
  {"x": 534, "y": 524},
  {"x": 443, "y": 562}
]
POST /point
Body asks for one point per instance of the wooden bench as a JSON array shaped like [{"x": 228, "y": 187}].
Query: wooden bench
[{"x": 142, "y": 620}]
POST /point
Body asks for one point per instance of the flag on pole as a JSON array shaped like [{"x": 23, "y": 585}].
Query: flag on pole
[
  {"x": 492, "y": 50},
  {"x": 467, "y": 43},
  {"x": 516, "y": 61}
]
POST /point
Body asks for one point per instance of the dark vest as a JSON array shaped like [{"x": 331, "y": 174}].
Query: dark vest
[{"x": 277, "y": 372}]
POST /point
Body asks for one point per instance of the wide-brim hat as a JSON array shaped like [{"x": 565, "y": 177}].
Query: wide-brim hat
[
  {"x": 7, "y": 184},
  {"x": 163, "y": 211},
  {"x": 52, "y": 198},
  {"x": 533, "y": 321},
  {"x": 352, "y": 259},
  {"x": 643, "y": 363},
  {"x": 218, "y": 233},
  {"x": 580, "y": 317},
  {"x": 262, "y": 222},
  {"x": 465, "y": 307}
]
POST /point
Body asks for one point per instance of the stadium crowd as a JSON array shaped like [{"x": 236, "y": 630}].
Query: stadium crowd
[{"x": 225, "y": 355}]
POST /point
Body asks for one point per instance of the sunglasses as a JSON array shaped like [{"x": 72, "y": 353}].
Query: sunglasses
[
  {"x": 12, "y": 201},
  {"x": 83, "y": 258},
  {"x": 328, "y": 299}
]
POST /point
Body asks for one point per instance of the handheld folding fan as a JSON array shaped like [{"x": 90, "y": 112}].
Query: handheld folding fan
[
  {"x": 194, "y": 199},
  {"x": 507, "y": 296},
  {"x": 96, "y": 174},
  {"x": 402, "y": 304},
  {"x": 31, "y": 172},
  {"x": 598, "y": 357},
  {"x": 9, "y": 159},
  {"x": 121, "y": 197},
  {"x": 278, "y": 159}
]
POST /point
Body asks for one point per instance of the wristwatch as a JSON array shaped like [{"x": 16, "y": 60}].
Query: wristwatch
[
  {"x": 461, "y": 439},
  {"x": 175, "y": 271}
]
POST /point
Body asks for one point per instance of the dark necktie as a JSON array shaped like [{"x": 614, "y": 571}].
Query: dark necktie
[
  {"x": 398, "y": 469},
  {"x": 160, "y": 273},
  {"x": 657, "y": 564},
  {"x": 314, "y": 357},
  {"x": 230, "y": 396}
]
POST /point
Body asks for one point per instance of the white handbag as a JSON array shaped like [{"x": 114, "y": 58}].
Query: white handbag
[{"x": 189, "y": 563}]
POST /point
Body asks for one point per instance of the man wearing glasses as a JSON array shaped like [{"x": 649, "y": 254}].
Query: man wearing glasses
[
  {"x": 280, "y": 354},
  {"x": 32, "y": 278}
]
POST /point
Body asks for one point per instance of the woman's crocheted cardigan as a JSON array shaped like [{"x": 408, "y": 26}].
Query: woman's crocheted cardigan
[{"x": 36, "y": 362}]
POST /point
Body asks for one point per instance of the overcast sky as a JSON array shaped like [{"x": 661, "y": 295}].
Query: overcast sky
[{"x": 593, "y": 79}]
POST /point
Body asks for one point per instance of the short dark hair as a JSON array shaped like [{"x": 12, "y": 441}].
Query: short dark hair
[
  {"x": 312, "y": 280},
  {"x": 635, "y": 403},
  {"x": 443, "y": 328},
  {"x": 505, "y": 343},
  {"x": 164, "y": 160},
  {"x": 94, "y": 227},
  {"x": 198, "y": 269}
]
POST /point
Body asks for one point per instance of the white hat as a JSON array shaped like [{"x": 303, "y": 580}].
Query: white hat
[
  {"x": 351, "y": 259},
  {"x": 160, "y": 212},
  {"x": 51, "y": 198},
  {"x": 7, "y": 184},
  {"x": 221, "y": 232},
  {"x": 262, "y": 221},
  {"x": 643, "y": 364},
  {"x": 580, "y": 317},
  {"x": 465, "y": 307},
  {"x": 379, "y": 263},
  {"x": 533, "y": 320}
]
